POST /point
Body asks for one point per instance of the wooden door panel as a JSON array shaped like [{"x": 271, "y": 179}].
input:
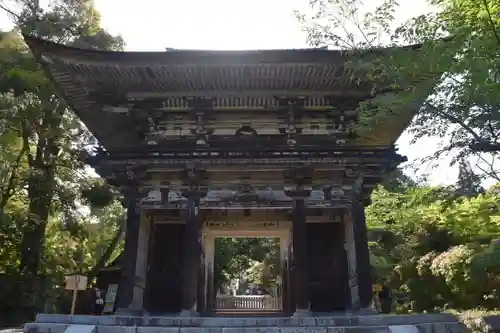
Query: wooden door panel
[
  {"x": 165, "y": 267},
  {"x": 327, "y": 264}
]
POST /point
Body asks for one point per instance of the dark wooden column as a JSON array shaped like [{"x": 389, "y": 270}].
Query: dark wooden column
[
  {"x": 192, "y": 257},
  {"x": 300, "y": 267},
  {"x": 193, "y": 191},
  {"x": 299, "y": 192},
  {"x": 363, "y": 267},
  {"x": 127, "y": 282}
]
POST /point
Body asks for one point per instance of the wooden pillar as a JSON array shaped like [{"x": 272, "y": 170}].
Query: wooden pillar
[
  {"x": 192, "y": 256},
  {"x": 363, "y": 268},
  {"x": 350, "y": 248},
  {"x": 126, "y": 286},
  {"x": 287, "y": 287},
  {"x": 209, "y": 246},
  {"x": 300, "y": 280},
  {"x": 141, "y": 265},
  {"x": 300, "y": 268}
]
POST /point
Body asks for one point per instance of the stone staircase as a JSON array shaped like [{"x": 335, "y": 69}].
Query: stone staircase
[{"x": 433, "y": 323}]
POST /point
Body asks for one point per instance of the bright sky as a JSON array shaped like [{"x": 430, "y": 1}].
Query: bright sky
[{"x": 153, "y": 25}]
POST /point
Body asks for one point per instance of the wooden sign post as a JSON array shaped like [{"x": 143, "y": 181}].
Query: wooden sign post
[
  {"x": 376, "y": 289},
  {"x": 75, "y": 282}
]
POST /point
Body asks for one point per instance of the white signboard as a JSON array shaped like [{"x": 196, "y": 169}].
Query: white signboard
[
  {"x": 109, "y": 302},
  {"x": 76, "y": 282}
]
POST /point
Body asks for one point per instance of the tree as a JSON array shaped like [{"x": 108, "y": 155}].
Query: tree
[
  {"x": 468, "y": 184},
  {"x": 436, "y": 246},
  {"x": 452, "y": 74},
  {"x": 49, "y": 136},
  {"x": 397, "y": 180},
  {"x": 234, "y": 256}
]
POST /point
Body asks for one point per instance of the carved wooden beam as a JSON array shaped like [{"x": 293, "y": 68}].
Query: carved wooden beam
[{"x": 198, "y": 108}]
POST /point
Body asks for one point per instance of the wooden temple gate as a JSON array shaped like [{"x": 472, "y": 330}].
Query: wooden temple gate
[{"x": 200, "y": 141}]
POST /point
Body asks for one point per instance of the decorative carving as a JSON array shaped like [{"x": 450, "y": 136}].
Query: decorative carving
[
  {"x": 341, "y": 141},
  {"x": 246, "y": 131},
  {"x": 194, "y": 183},
  {"x": 292, "y": 105},
  {"x": 155, "y": 196},
  {"x": 199, "y": 105},
  {"x": 200, "y": 131},
  {"x": 246, "y": 193},
  {"x": 153, "y": 131}
]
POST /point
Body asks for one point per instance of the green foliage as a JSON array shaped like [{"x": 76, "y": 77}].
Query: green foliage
[
  {"x": 45, "y": 190},
  {"x": 449, "y": 83},
  {"x": 255, "y": 260},
  {"x": 98, "y": 194},
  {"x": 437, "y": 247}
]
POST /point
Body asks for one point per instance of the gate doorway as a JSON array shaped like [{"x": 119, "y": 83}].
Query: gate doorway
[
  {"x": 247, "y": 273},
  {"x": 244, "y": 268}
]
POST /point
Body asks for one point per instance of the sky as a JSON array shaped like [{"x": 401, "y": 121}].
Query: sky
[{"x": 153, "y": 25}]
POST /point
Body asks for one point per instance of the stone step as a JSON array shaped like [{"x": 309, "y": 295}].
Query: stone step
[
  {"x": 427, "y": 328},
  {"x": 321, "y": 321}
]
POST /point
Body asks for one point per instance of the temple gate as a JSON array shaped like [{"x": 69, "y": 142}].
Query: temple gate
[{"x": 203, "y": 143}]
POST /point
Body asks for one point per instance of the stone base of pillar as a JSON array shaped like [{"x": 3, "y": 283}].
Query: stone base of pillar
[
  {"x": 189, "y": 313},
  {"x": 302, "y": 313}
]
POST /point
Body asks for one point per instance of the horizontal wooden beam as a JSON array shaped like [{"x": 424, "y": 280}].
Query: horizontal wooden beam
[
  {"x": 246, "y": 98},
  {"x": 214, "y": 221}
]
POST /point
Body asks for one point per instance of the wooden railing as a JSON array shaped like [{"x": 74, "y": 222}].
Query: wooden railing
[{"x": 248, "y": 302}]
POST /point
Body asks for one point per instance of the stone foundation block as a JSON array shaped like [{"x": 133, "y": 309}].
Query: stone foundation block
[
  {"x": 150, "y": 329},
  {"x": 251, "y": 330},
  {"x": 117, "y": 329},
  {"x": 303, "y": 330},
  {"x": 200, "y": 330},
  {"x": 81, "y": 329},
  {"x": 45, "y": 328},
  {"x": 456, "y": 327}
]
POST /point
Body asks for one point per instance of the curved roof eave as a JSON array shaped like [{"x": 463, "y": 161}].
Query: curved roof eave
[{"x": 313, "y": 55}]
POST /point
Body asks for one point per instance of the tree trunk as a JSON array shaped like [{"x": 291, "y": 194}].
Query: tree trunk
[
  {"x": 41, "y": 187},
  {"x": 40, "y": 194}
]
